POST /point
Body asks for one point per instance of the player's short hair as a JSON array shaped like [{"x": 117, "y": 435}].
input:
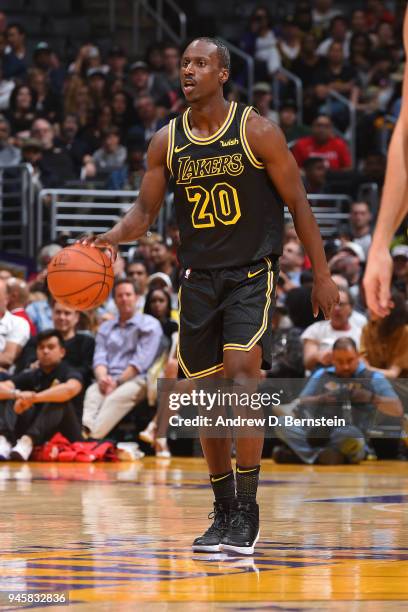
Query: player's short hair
[
  {"x": 342, "y": 344},
  {"x": 223, "y": 53}
]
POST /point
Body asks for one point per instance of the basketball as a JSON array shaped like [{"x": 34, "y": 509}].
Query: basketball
[{"x": 80, "y": 276}]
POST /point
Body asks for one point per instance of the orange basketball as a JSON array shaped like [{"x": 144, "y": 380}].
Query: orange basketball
[{"x": 80, "y": 276}]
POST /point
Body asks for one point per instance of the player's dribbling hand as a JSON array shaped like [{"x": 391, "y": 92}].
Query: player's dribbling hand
[
  {"x": 101, "y": 241},
  {"x": 377, "y": 281},
  {"x": 324, "y": 296}
]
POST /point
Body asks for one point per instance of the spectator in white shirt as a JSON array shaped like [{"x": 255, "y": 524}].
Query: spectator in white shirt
[{"x": 14, "y": 332}]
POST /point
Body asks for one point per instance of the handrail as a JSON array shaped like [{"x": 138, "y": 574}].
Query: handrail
[
  {"x": 249, "y": 60},
  {"x": 161, "y": 23},
  {"x": 182, "y": 17},
  {"x": 353, "y": 120},
  {"x": 299, "y": 91}
]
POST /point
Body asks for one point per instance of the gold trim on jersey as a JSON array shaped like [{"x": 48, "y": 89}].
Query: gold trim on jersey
[
  {"x": 209, "y": 139},
  {"x": 187, "y": 373},
  {"x": 249, "y": 345},
  {"x": 170, "y": 145},
  {"x": 245, "y": 142}
]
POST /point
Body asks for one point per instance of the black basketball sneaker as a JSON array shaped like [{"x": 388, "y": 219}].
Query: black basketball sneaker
[
  {"x": 243, "y": 528},
  {"x": 211, "y": 539}
]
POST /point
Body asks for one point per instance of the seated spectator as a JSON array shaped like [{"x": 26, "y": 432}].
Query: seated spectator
[
  {"x": 262, "y": 94},
  {"x": 158, "y": 305},
  {"x": 17, "y": 301},
  {"x": 71, "y": 142},
  {"x": 289, "y": 41},
  {"x": 130, "y": 175},
  {"x": 47, "y": 102},
  {"x": 154, "y": 57},
  {"x": 14, "y": 332},
  {"x": 318, "y": 338},
  {"x": 143, "y": 83},
  {"x": 97, "y": 81},
  {"x": 21, "y": 113},
  {"x": 399, "y": 256},
  {"x": 47, "y": 60},
  {"x": 9, "y": 155},
  {"x": 348, "y": 262},
  {"x": 77, "y": 100},
  {"x": 288, "y": 122},
  {"x": 384, "y": 342},
  {"x": 162, "y": 260},
  {"x": 149, "y": 120},
  {"x": 360, "y": 225},
  {"x": 331, "y": 392},
  {"x": 323, "y": 13},
  {"x": 322, "y": 143},
  {"x": 356, "y": 317},
  {"x": 56, "y": 165},
  {"x": 40, "y": 401},
  {"x": 111, "y": 155},
  {"x": 15, "y": 58},
  {"x": 339, "y": 33},
  {"x": 88, "y": 57},
  {"x": 170, "y": 77},
  {"x": 261, "y": 43},
  {"x": 291, "y": 264},
  {"x": 117, "y": 61},
  {"x": 125, "y": 349},
  {"x": 123, "y": 113},
  {"x": 315, "y": 177},
  {"x": 95, "y": 130},
  {"x": 308, "y": 64},
  {"x": 137, "y": 271}
]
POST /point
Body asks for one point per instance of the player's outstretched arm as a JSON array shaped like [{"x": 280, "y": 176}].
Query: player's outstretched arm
[
  {"x": 268, "y": 143},
  {"x": 394, "y": 207},
  {"x": 138, "y": 219}
]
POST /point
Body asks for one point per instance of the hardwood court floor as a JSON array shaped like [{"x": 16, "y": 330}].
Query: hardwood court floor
[{"x": 117, "y": 537}]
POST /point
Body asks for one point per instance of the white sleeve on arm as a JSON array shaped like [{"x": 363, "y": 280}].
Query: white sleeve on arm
[{"x": 19, "y": 332}]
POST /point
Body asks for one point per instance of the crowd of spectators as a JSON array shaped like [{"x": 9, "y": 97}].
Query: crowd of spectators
[{"x": 90, "y": 119}]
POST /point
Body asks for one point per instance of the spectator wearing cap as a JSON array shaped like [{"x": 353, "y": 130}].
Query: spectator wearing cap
[
  {"x": 399, "y": 256},
  {"x": 117, "y": 62},
  {"x": 360, "y": 225},
  {"x": 15, "y": 60},
  {"x": 142, "y": 82},
  {"x": 322, "y": 143},
  {"x": 111, "y": 155},
  {"x": 56, "y": 165},
  {"x": 47, "y": 60},
  {"x": 348, "y": 262},
  {"x": 9, "y": 155},
  {"x": 288, "y": 122},
  {"x": 129, "y": 176},
  {"x": 88, "y": 57},
  {"x": 262, "y": 94},
  {"x": 149, "y": 120}
]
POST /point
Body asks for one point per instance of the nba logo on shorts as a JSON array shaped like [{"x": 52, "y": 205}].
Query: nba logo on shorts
[{"x": 187, "y": 274}]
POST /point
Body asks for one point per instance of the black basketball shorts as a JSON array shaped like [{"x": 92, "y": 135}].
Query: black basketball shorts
[{"x": 225, "y": 309}]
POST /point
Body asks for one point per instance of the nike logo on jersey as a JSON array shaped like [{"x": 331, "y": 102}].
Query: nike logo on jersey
[
  {"x": 178, "y": 149},
  {"x": 251, "y": 274}
]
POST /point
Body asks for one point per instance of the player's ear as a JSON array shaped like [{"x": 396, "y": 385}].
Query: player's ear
[{"x": 223, "y": 76}]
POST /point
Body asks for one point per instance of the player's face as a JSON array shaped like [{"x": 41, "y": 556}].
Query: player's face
[
  {"x": 50, "y": 353},
  {"x": 345, "y": 362},
  {"x": 200, "y": 73}
]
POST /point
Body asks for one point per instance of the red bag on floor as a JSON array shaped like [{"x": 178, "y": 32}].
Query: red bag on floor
[{"x": 61, "y": 449}]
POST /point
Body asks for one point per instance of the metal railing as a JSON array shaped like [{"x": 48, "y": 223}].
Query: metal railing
[
  {"x": 156, "y": 14},
  {"x": 327, "y": 210},
  {"x": 17, "y": 210},
  {"x": 276, "y": 82}
]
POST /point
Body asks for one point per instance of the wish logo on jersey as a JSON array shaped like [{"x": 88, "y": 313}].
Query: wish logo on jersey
[{"x": 190, "y": 169}]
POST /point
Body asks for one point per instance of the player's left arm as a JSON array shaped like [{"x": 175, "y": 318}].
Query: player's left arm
[{"x": 268, "y": 144}]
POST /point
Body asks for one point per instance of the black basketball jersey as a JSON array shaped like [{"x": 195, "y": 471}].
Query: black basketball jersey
[{"x": 227, "y": 209}]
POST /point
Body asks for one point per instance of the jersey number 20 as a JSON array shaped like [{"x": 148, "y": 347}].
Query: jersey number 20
[{"x": 224, "y": 206}]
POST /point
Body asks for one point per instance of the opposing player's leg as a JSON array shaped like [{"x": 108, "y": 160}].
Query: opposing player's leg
[{"x": 242, "y": 534}]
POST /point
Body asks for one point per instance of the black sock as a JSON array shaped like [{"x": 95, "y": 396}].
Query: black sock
[
  {"x": 247, "y": 482},
  {"x": 223, "y": 486}
]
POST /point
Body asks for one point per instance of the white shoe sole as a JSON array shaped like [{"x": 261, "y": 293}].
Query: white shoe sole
[
  {"x": 241, "y": 550},
  {"x": 214, "y": 548}
]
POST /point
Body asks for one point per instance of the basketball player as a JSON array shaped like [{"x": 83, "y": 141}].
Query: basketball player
[
  {"x": 232, "y": 173},
  {"x": 394, "y": 207}
]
